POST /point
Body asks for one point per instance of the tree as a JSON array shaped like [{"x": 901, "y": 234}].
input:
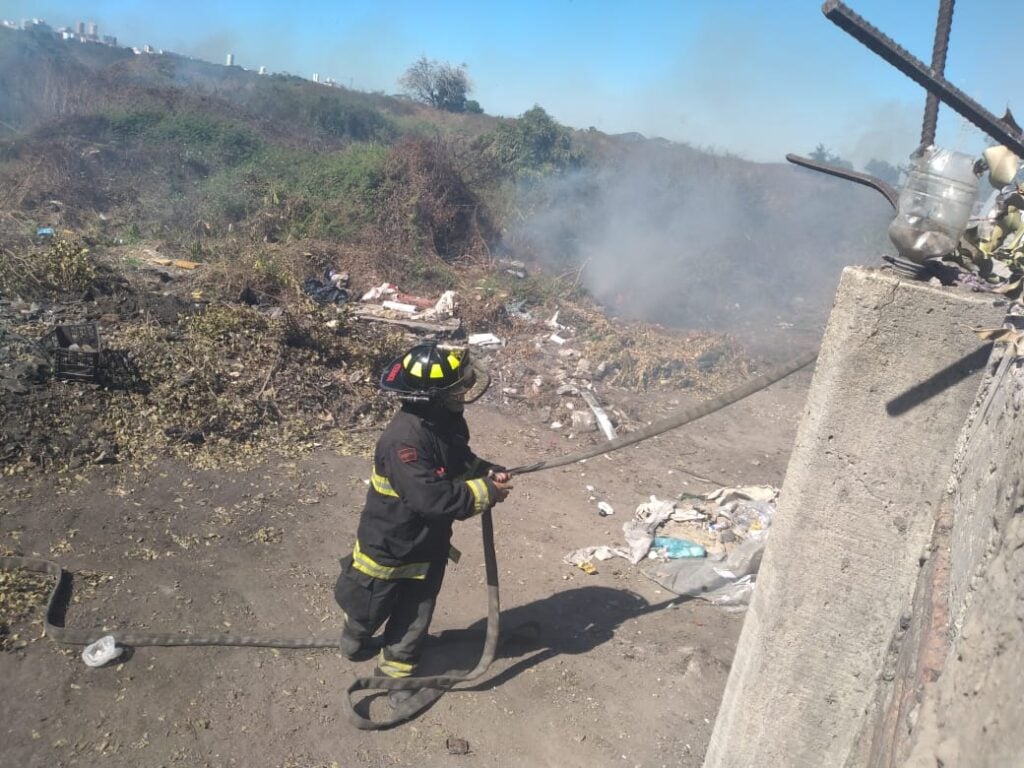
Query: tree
[
  {"x": 533, "y": 144},
  {"x": 823, "y": 154},
  {"x": 884, "y": 171},
  {"x": 439, "y": 84}
]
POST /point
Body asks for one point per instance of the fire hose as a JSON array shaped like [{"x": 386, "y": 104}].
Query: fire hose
[{"x": 427, "y": 689}]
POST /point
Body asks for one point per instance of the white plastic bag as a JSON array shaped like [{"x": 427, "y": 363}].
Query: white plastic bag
[{"x": 103, "y": 650}]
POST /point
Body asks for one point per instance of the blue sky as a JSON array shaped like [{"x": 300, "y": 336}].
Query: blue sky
[{"x": 758, "y": 78}]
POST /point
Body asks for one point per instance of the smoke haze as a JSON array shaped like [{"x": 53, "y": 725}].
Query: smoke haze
[{"x": 669, "y": 235}]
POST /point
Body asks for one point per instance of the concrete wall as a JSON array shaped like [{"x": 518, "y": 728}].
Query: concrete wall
[
  {"x": 958, "y": 698},
  {"x": 895, "y": 379}
]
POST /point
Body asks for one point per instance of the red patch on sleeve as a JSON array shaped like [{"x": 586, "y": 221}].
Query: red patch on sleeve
[{"x": 407, "y": 455}]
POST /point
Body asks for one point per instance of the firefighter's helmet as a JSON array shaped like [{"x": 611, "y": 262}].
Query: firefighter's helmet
[{"x": 434, "y": 372}]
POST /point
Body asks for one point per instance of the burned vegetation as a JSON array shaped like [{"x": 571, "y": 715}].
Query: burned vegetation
[{"x": 212, "y": 264}]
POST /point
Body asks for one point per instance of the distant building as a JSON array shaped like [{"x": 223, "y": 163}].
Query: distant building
[
  {"x": 263, "y": 70},
  {"x": 316, "y": 77},
  {"x": 93, "y": 30},
  {"x": 110, "y": 40},
  {"x": 230, "y": 60},
  {"x": 80, "y": 28}
]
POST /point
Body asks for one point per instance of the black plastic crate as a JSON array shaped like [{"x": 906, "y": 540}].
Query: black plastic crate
[{"x": 76, "y": 351}]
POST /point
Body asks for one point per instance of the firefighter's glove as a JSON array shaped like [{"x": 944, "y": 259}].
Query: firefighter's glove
[{"x": 502, "y": 487}]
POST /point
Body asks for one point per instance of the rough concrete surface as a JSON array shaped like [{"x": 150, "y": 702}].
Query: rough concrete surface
[
  {"x": 896, "y": 376},
  {"x": 972, "y": 715}
]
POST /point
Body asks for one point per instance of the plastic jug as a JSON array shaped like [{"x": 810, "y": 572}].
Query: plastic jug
[{"x": 934, "y": 204}]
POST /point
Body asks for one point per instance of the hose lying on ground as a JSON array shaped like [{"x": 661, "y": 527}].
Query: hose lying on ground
[{"x": 428, "y": 689}]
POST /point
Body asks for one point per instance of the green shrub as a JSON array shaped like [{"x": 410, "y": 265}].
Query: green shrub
[
  {"x": 200, "y": 137},
  {"x": 301, "y": 193}
]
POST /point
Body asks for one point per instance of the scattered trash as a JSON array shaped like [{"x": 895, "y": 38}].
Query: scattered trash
[
  {"x": 716, "y": 558},
  {"x": 674, "y": 548},
  {"x": 602, "y": 418},
  {"x": 456, "y": 746},
  {"x": 103, "y": 650},
  {"x": 515, "y": 268},
  {"x": 604, "y": 509},
  {"x": 691, "y": 515},
  {"x": 554, "y": 324},
  {"x": 748, "y": 517},
  {"x": 44, "y": 232},
  {"x": 557, "y": 339},
  {"x": 583, "y": 558},
  {"x": 751, "y": 492},
  {"x": 378, "y": 314},
  {"x": 444, "y": 307},
  {"x": 484, "y": 340},
  {"x": 515, "y": 309},
  {"x": 582, "y": 421},
  {"x": 76, "y": 351},
  {"x": 332, "y": 290},
  {"x": 418, "y": 302},
  {"x": 709, "y": 580},
  {"x": 179, "y": 263},
  {"x": 640, "y": 530},
  {"x": 382, "y": 290},
  {"x": 736, "y": 594},
  {"x": 398, "y": 306}
]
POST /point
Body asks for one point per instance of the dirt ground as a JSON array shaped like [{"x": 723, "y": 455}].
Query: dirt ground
[{"x": 623, "y": 672}]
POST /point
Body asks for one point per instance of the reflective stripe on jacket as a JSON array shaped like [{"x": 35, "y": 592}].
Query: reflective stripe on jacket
[{"x": 424, "y": 478}]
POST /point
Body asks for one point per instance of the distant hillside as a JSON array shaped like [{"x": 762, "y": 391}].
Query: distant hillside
[{"x": 122, "y": 146}]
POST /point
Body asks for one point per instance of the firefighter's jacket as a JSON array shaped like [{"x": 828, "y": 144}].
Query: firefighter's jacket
[{"x": 424, "y": 478}]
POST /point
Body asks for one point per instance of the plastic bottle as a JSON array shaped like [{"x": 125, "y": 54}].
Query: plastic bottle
[{"x": 934, "y": 204}]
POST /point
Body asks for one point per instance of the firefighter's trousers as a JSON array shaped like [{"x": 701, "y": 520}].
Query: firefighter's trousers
[{"x": 407, "y": 605}]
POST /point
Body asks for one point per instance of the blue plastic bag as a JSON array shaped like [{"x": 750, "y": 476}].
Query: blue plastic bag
[{"x": 677, "y": 548}]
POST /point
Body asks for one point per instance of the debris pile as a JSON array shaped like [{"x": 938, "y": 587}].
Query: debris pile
[
  {"x": 220, "y": 361},
  {"x": 572, "y": 371},
  {"x": 706, "y": 546}
]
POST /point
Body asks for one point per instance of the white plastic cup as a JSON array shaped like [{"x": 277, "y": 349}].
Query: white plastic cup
[{"x": 103, "y": 650}]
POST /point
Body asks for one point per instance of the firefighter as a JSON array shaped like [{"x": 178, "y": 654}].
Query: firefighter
[{"x": 424, "y": 478}]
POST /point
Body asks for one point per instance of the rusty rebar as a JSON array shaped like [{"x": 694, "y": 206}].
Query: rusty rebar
[
  {"x": 885, "y": 188},
  {"x": 1000, "y": 130},
  {"x": 943, "y": 25}
]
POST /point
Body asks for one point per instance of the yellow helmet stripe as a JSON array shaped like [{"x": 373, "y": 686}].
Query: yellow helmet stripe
[
  {"x": 417, "y": 369},
  {"x": 454, "y": 361},
  {"x": 436, "y": 372}
]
